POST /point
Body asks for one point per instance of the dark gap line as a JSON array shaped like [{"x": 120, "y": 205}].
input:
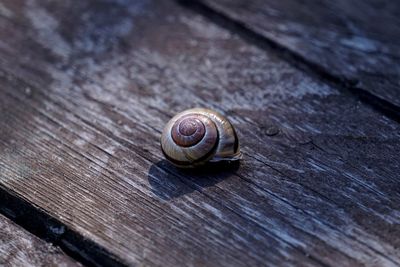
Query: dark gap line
[
  {"x": 344, "y": 85},
  {"x": 51, "y": 230}
]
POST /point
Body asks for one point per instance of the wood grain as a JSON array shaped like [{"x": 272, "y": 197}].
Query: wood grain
[
  {"x": 356, "y": 41},
  {"x": 20, "y": 248},
  {"x": 86, "y": 89}
]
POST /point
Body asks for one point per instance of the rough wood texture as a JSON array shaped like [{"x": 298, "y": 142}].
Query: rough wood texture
[
  {"x": 357, "y": 41},
  {"x": 85, "y": 90},
  {"x": 20, "y": 248}
]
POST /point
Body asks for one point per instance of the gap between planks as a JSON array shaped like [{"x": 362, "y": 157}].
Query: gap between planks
[
  {"x": 51, "y": 230},
  {"x": 345, "y": 85}
]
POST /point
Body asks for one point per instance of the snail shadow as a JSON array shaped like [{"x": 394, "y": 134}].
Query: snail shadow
[{"x": 168, "y": 182}]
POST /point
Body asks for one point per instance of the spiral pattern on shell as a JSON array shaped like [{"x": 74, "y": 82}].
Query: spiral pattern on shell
[{"x": 196, "y": 136}]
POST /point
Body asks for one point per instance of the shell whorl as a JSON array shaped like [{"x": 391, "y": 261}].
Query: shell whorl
[
  {"x": 198, "y": 135},
  {"x": 188, "y": 131}
]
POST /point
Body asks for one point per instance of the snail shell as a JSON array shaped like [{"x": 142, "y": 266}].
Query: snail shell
[{"x": 196, "y": 136}]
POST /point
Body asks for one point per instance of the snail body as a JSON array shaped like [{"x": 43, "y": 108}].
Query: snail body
[{"x": 196, "y": 136}]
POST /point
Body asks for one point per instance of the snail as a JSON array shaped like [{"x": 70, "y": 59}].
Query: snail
[{"x": 197, "y": 136}]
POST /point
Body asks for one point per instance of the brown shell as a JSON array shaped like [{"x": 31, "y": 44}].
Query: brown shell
[{"x": 195, "y": 136}]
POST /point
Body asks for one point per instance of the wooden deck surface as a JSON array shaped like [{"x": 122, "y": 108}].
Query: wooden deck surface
[{"x": 86, "y": 88}]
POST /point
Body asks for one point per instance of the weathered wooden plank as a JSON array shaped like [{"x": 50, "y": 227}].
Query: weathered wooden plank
[
  {"x": 86, "y": 103},
  {"x": 357, "y": 41},
  {"x": 20, "y": 248}
]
